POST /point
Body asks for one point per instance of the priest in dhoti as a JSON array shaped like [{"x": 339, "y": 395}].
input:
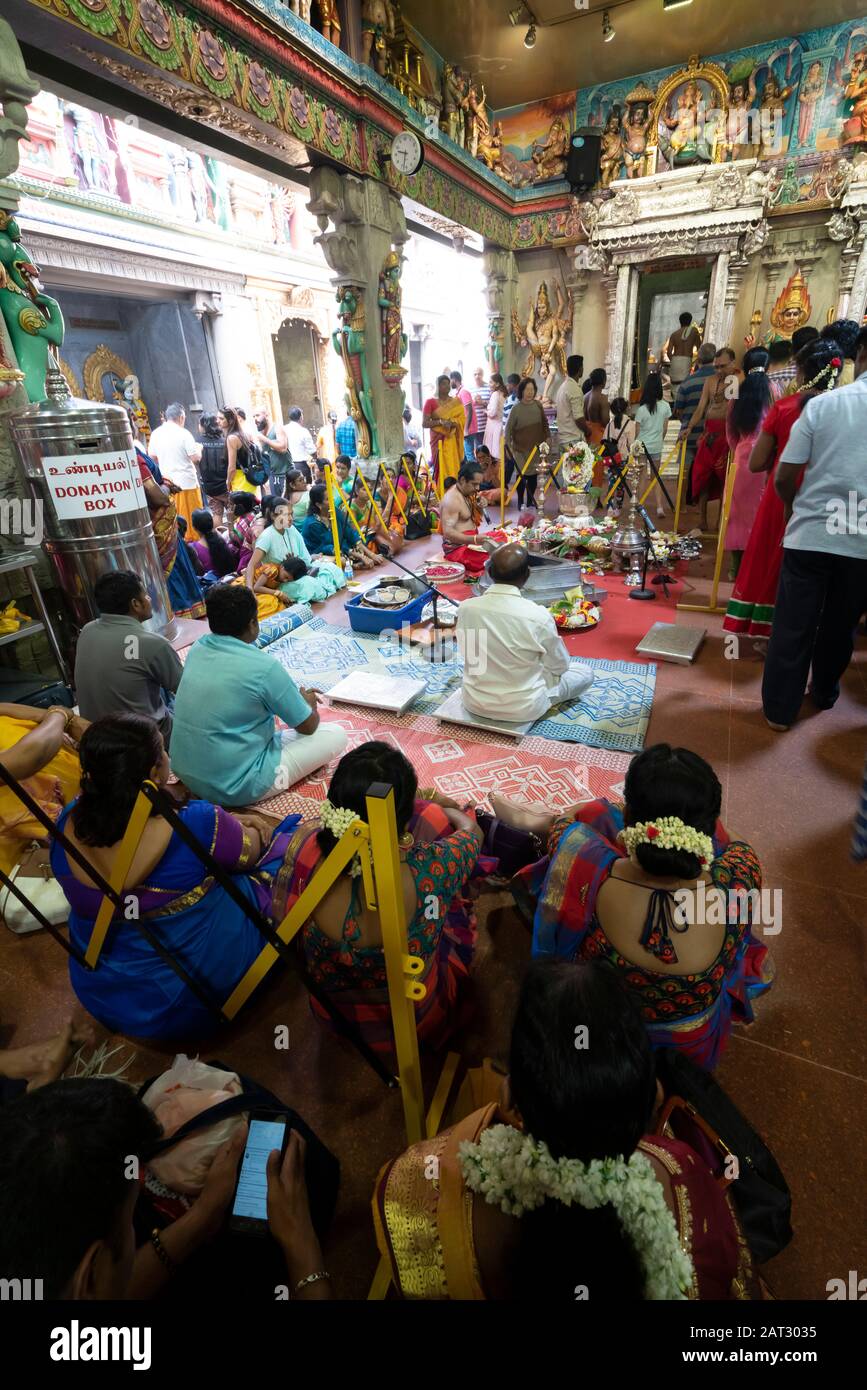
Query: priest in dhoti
[
  {"x": 461, "y": 515},
  {"x": 445, "y": 417},
  {"x": 679, "y": 349},
  {"x": 516, "y": 666}
]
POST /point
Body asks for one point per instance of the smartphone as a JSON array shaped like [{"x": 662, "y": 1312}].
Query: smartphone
[{"x": 267, "y": 1131}]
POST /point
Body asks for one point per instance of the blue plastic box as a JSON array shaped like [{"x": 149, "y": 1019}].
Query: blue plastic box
[{"x": 362, "y": 619}]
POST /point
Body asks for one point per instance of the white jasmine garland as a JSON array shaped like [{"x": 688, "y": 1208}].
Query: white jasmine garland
[
  {"x": 668, "y": 832},
  {"x": 338, "y": 819},
  {"x": 514, "y": 1172}
]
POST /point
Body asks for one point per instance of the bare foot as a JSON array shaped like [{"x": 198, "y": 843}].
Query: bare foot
[
  {"x": 519, "y": 816},
  {"x": 42, "y": 1062}
]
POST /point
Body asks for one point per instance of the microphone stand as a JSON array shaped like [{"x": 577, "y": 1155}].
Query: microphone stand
[{"x": 644, "y": 592}]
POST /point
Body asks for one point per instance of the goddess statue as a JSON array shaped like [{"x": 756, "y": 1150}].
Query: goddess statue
[
  {"x": 330, "y": 21},
  {"x": 127, "y": 394},
  {"x": 611, "y": 150},
  {"x": 33, "y": 319},
  {"x": 477, "y": 122},
  {"x": 452, "y": 118},
  {"x": 549, "y": 155},
  {"x": 809, "y": 94},
  {"x": 772, "y": 113},
  {"x": 791, "y": 311},
  {"x": 394, "y": 340},
  {"x": 548, "y": 336}
]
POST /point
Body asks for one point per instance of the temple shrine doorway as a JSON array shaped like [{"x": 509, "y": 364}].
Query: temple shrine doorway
[{"x": 665, "y": 291}]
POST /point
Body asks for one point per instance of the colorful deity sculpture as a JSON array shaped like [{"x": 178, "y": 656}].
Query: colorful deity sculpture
[
  {"x": 495, "y": 342},
  {"x": 547, "y": 334},
  {"x": 791, "y": 311},
  {"x": 330, "y": 21},
  {"x": 477, "y": 121},
  {"x": 394, "y": 340},
  {"x": 809, "y": 95},
  {"x": 636, "y": 128},
  {"x": 772, "y": 113},
  {"x": 377, "y": 26},
  {"x": 33, "y": 319},
  {"x": 348, "y": 342},
  {"x": 128, "y": 394},
  {"x": 549, "y": 155},
  {"x": 611, "y": 150},
  {"x": 854, "y": 106}
]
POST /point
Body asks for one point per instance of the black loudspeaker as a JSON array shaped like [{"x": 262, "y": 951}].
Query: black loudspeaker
[{"x": 582, "y": 164}]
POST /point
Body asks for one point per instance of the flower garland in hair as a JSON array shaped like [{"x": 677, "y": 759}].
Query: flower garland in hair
[
  {"x": 516, "y": 1173},
  {"x": 668, "y": 832},
  {"x": 338, "y": 819},
  {"x": 835, "y": 366}
]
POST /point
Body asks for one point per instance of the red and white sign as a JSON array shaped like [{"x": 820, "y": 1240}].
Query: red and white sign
[{"x": 91, "y": 485}]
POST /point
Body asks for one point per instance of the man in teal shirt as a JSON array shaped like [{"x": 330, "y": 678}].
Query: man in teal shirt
[{"x": 226, "y": 745}]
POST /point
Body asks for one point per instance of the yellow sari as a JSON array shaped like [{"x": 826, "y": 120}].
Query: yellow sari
[
  {"x": 53, "y": 787},
  {"x": 449, "y": 446}
]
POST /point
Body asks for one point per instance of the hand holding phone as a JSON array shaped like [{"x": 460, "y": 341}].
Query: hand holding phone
[
  {"x": 289, "y": 1210},
  {"x": 267, "y": 1131}
]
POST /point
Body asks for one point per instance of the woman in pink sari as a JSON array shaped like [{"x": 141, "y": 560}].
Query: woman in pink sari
[{"x": 743, "y": 426}]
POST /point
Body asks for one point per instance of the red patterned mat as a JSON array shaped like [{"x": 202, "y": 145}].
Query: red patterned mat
[{"x": 540, "y": 771}]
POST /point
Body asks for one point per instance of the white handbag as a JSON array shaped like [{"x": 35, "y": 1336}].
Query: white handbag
[{"x": 32, "y": 874}]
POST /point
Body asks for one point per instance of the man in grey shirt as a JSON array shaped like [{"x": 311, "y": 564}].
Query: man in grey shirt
[{"x": 119, "y": 667}]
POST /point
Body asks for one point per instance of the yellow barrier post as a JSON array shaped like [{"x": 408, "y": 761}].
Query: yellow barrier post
[
  {"x": 725, "y": 508},
  {"x": 624, "y": 470},
  {"x": 141, "y": 814},
  {"x": 329, "y": 486},
  {"x": 401, "y": 968},
  {"x": 353, "y": 842},
  {"x": 372, "y": 500},
  {"x": 411, "y": 479},
  {"x": 391, "y": 488}
]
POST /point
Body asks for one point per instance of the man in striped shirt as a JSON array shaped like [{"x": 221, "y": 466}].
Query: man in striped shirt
[
  {"x": 481, "y": 396},
  {"x": 688, "y": 397},
  {"x": 513, "y": 381},
  {"x": 346, "y": 436}
]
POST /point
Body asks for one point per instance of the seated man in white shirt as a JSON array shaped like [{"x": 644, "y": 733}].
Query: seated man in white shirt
[{"x": 515, "y": 664}]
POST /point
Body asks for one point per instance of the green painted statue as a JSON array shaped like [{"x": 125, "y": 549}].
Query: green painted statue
[
  {"x": 348, "y": 343},
  {"x": 33, "y": 319}
]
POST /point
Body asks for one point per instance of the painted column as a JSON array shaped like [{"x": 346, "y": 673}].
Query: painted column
[
  {"x": 501, "y": 273},
  {"x": 361, "y": 223},
  {"x": 716, "y": 300}
]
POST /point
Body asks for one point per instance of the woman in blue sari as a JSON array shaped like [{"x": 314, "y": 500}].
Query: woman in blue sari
[
  {"x": 185, "y": 594},
  {"x": 133, "y": 990}
]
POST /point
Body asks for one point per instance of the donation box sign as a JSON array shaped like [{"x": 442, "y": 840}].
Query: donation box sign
[{"x": 89, "y": 485}]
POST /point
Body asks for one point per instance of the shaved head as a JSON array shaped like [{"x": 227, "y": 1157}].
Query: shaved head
[{"x": 510, "y": 564}]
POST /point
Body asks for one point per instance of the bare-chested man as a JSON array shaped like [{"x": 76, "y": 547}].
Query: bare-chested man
[
  {"x": 460, "y": 519},
  {"x": 708, "y": 470},
  {"x": 679, "y": 349}
]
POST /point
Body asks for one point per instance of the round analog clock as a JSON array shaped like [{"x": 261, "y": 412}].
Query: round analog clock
[{"x": 407, "y": 154}]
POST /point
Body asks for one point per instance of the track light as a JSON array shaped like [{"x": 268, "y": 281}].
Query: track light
[
  {"x": 607, "y": 30},
  {"x": 516, "y": 15},
  {"x": 530, "y": 37},
  {"x": 675, "y": 4}
]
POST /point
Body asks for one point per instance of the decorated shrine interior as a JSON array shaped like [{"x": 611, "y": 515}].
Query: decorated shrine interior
[{"x": 589, "y": 249}]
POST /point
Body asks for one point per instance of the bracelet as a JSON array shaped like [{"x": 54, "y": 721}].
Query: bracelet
[
  {"x": 310, "y": 1279},
  {"x": 162, "y": 1254},
  {"x": 68, "y": 714}
]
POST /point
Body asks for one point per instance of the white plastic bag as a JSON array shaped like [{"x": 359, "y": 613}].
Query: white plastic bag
[{"x": 185, "y": 1090}]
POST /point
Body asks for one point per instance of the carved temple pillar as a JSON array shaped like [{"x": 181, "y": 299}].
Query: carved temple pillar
[
  {"x": 715, "y": 314},
  {"x": 501, "y": 275},
  {"x": 736, "y": 269},
  {"x": 774, "y": 264},
  {"x": 856, "y": 303},
  {"x": 578, "y": 283},
  {"x": 361, "y": 222},
  {"x": 850, "y": 228},
  {"x": 621, "y": 287},
  {"x": 236, "y": 340}
]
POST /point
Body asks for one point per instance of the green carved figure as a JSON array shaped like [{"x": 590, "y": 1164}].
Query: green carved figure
[
  {"x": 33, "y": 319},
  {"x": 348, "y": 343}
]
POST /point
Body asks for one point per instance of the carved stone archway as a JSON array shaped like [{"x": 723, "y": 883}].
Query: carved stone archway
[{"x": 100, "y": 361}]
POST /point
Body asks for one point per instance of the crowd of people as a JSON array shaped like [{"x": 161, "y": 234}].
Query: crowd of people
[{"x": 621, "y": 939}]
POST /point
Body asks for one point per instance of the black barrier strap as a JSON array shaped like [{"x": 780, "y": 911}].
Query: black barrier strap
[
  {"x": 43, "y": 921},
  {"x": 163, "y": 804}
]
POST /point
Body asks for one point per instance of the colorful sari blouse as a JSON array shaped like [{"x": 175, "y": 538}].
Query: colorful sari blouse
[
  {"x": 693, "y": 1011},
  {"x": 440, "y": 931},
  {"x": 133, "y": 990},
  {"x": 51, "y": 787}
]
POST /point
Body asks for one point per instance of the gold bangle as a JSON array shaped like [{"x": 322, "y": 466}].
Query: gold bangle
[
  {"x": 161, "y": 1252},
  {"x": 310, "y": 1279},
  {"x": 68, "y": 714}
]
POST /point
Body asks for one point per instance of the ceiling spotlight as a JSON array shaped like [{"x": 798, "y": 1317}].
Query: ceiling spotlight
[
  {"x": 607, "y": 30},
  {"x": 530, "y": 37},
  {"x": 675, "y": 4}
]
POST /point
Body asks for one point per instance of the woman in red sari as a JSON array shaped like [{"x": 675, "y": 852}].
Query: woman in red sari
[
  {"x": 751, "y": 606},
  {"x": 658, "y": 889},
  {"x": 342, "y": 944},
  {"x": 566, "y": 1179}
]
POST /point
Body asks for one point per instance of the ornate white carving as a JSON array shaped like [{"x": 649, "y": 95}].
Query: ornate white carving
[
  {"x": 68, "y": 254},
  {"x": 589, "y": 258},
  {"x": 845, "y": 225},
  {"x": 756, "y": 237},
  {"x": 621, "y": 210},
  {"x": 728, "y": 189}
]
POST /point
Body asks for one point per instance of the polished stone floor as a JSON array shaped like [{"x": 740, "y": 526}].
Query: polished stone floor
[{"x": 799, "y": 1072}]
